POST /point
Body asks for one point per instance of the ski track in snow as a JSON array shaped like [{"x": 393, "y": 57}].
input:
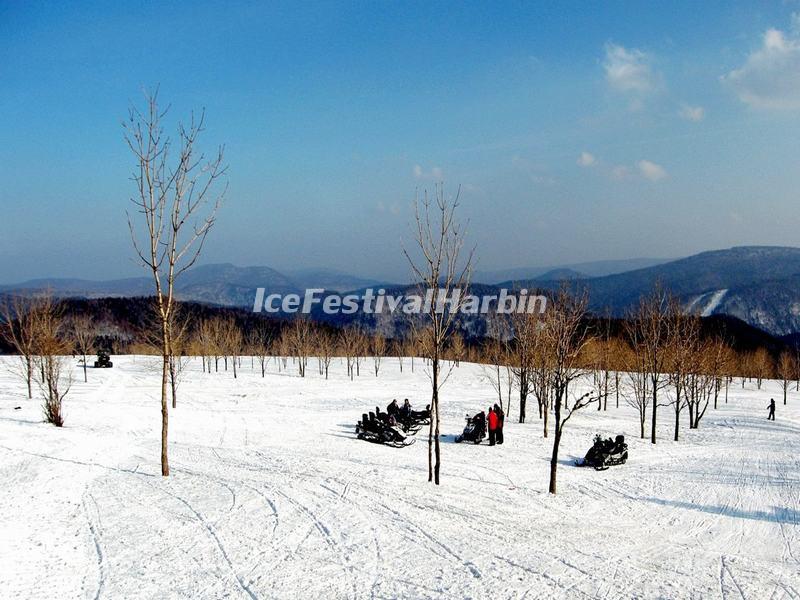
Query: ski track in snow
[{"x": 272, "y": 497}]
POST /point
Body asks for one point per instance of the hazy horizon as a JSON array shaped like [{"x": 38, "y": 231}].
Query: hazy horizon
[
  {"x": 576, "y": 134},
  {"x": 399, "y": 277}
]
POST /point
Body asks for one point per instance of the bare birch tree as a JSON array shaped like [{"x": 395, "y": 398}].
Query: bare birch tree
[
  {"x": 175, "y": 205},
  {"x": 439, "y": 266}
]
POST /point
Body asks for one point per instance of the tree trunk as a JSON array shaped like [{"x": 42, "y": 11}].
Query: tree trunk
[
  {"x": 556, "y": 442},
  {"x": 545, "y": 419},
  {"x": 29, "y": 375},
  {"x": 172, "y": 383},
  {"x": 164, "y": 406},
  {"x": 434, "y": 461},
  {"x": 655, "y": 408}
]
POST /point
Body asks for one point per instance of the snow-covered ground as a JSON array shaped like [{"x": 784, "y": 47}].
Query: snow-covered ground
[{"x": 272, "y": 496}]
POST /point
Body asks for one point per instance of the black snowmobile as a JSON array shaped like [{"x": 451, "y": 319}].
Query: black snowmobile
[
  {"x": 421, "y": 417},
  {"x": 606, "y": 453},
  {"x": 474, "y": 431},
  {"x": 381, "y": 431},
  {"x": 413, "y": 421},
  {"x": 103, "y": 360}
]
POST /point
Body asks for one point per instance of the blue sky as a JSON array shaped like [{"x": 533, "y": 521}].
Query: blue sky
[{"x": 577, "y": 131}]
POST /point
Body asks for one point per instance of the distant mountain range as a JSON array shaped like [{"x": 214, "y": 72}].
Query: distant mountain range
[
  {"x": 757, "y": 284},
  {"x": 220, "y": 284},
  {"x": 598, "y": 268}
]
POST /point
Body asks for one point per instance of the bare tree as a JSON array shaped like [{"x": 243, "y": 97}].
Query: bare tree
[
  {"x": 260, "y": 340},
  {"x": 720, "y": 360},
  {"x": 300, "y": 338},
  {"x": 565, "y": 336},
  {"x": 636, "y": 370},
  {"x": 233, "y": 341},
  {"x": 204, "y": 337},
  {"x": 699, "y": 385},
  {"x": 378, "y": 351},
  {"x": 54, "y": 374},
  {"x": 492, "y": 362},
  {"x": 348, "y": 340},
  {"x": 527, "y": 329},
  {"x": 682, "y": 349},
  {"x": 440, "y": 268},
  {"x": 786, "y": 371},
  {"x": 652, "y": 324},
  {"x": 762, "y": 365},
  {"x": 83, "y": 333},
  {"x": 18, "y": 329},
  {"x": 172, "y": 193},
  {"x": 326, "y": 345},
  {"x": 457, "y": 348}
]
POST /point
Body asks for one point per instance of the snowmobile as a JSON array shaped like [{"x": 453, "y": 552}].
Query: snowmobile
[
  {"x": 415, "y": 419},
  {"x": 474, "y": 431},
  {"x": 103, "y": 360},
  {"x": 379, "y": 431},
  {"x": 422, "y": 417},
  {"x": 410, "y": 423},
  {"x": 605, "y": 453}
]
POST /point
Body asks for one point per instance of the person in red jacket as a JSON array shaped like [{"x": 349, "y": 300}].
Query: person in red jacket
[{"x": 493, "y": 421}]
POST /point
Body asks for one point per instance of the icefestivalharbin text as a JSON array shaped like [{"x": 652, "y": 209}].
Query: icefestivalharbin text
[{"x": 372, "y": 301}]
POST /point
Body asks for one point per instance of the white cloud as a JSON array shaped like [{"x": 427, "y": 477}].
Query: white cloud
[
  {"x": 692, "y": 113},
  {"x": 620, "y": 172},
  {"x": 587, "y": 160},
  {"x": 628, "y": 70},
  {"x": 770, "y": 77},
  {"x": 392, "y": 208},
  {"x": 435, "y": 173},
  {"x": 535, "y": 172},
  {"x": 651, "y": 170}
]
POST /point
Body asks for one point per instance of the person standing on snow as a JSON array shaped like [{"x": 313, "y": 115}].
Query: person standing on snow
[
  {"x": 405, "y": 411},
  {"x": 393, "y": 410},
  {"x": 771, "y": 408},
  {"x": 492, "y": 418},
  {"x": 501, "y": 419}
]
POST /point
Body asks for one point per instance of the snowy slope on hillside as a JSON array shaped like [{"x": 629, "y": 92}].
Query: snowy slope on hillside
[{"x": 272, "y": 497}]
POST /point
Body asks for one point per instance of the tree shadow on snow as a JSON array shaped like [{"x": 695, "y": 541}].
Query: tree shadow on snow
[
  {"x": 22, "y": 421},
  {"x": 778, "y": 514}
]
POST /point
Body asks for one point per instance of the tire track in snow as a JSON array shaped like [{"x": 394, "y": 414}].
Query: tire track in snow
[
  {"x": 94, "y": 531},
  {"x": 215, "y": 538},
  {"x": 326, "y": 536},
  {"x": 725, "y": 568}
]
